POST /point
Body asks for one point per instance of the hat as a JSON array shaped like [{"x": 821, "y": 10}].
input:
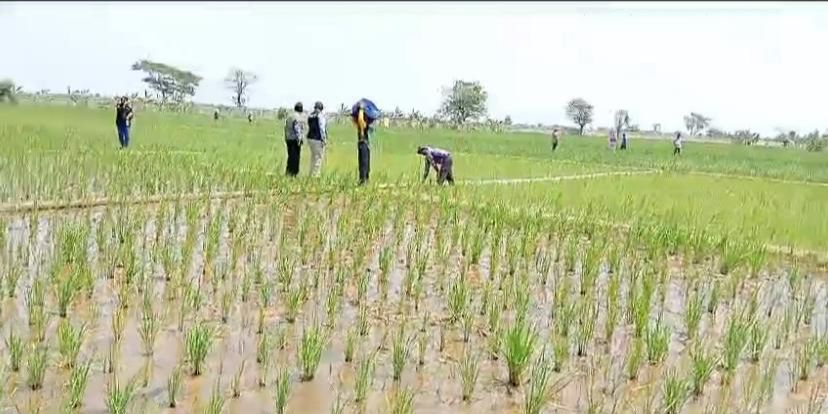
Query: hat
[{"x": 318, "y": 106}]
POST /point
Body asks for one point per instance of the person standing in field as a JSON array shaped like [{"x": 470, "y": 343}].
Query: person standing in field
[
  {"x": 612, "y": 139},
  {"x": 623, "y": 141},
  {"x": 293, "y": 140},
  {"x": 677, "y": 144},
  {"x": 440, "y": 160},
  {"x": 554, "y": 139},
  {"x": 317, "y": 137},
  {"x": 363, "y": 113},
  {"x": 216, "y": 114},
  {"x": 123, "y": 120}
]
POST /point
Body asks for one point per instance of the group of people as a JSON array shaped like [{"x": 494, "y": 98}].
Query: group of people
[{"x": 363, "y": 114}]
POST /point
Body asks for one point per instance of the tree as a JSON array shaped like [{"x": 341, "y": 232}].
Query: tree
[
  {"x": 622, "y": 119},
  {"x": 168, "y": 82},
  {"x": 657, "y": 128},
  {"x": 508, "y": 120},
  {"x": 464, "y": 101},
  {"x": 696, "y": 123},
  {"x": 8, "y": 91},
  {"x": 239, "y": 81},
  {"x": 580, "y": 112}
]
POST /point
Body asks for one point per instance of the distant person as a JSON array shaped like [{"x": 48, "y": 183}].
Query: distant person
[
  {"x": 123, "y": 120},
  {"x": 613, "y": 139},
  {"x": 215, "y": 114},
  {"x": 293, "y": 140},
  {"x": 554, "y": 139},
  {"x": 363, "y": 113},
  {"x": 677, "y": 144},
  {"x": 440, "y": 160},
  {"x": 249, "y": 118},
  {"x": 317, "y": 137},
  {"x": 623, "y": 141}
]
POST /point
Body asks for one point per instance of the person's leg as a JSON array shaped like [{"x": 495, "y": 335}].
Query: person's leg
[
  {"x": 126, "y": 136},
  {"x": 362, "y": 155},
  {"x": 289, "y": 151},
  {"x": 450, "y": 171},
  {"x": 316, "y": 149},
  {"x": 292, "y": 168},
  {"x": 120, "y": 129}
]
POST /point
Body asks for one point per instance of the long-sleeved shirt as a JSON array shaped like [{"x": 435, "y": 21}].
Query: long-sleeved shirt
[
  {"x": 433, "y": 158},
  {"x": 361, "y": 123},
  {"x": 293, "y": 127}
]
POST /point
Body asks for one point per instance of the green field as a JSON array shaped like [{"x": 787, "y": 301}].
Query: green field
[{"x": 192, "y": 271}]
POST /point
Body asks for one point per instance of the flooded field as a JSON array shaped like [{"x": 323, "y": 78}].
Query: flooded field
[{"x": 388, "y": 303}]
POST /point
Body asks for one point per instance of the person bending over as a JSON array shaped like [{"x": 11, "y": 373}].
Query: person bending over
[{"x": 440, "y": 160}]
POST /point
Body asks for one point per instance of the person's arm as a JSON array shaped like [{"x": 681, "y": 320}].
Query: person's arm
[
  {"x": 297, "y": 129},
  {"x": 323, "y": 128},
  {"x": 427, "y": 168},
  {"x": 361, "y": 124}
]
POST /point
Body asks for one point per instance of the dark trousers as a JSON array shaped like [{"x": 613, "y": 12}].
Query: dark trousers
[
  {"x": 294, "y": 150},
  {"x": 123, "y": 135},
  {"x": 623, "y": 144},
  {"x": 676, "y": 151},
  {"x": 446, "y": 172},
  {"x": 554, "y": 145},
  {"x": 364, "y": 159}
]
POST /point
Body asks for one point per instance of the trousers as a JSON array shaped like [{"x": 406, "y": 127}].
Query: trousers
[
  {"x": 123, "y": 135},
  {"x": 364, "y": 160},
  {"x": 294, "y": 150},
  {"x": 317, "y": 149}
]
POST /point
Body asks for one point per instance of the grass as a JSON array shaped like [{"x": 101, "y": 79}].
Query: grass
[{"x": 565, "y": 266}]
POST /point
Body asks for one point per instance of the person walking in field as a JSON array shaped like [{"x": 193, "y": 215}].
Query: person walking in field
[
  {"x": 554, "y": 139},
  {"x": 440, "y": 160},
  {"x": 123, "y": 120},
  {"x": 623, "y": 141},
  {"x": 317, "y": 137},
  {"x": 293, "y": 140},
  {"x": 363, "y": 114},
  {"x": 677, "y": 144}
]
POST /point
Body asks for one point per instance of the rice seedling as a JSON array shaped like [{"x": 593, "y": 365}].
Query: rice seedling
[
  {"x": 198, "y": 341},
  {"x": 118, "y": 323},
  {"x": 36, "y": 364},
  {"x": 801, "y": 364},
  {"x": 458, "y": 298},
  {"x": 14, "y": 347},
  {"x": 694, "y": 308},
  {"x": 714, "y": 296},
  {"x": 76, "y": 385},
  {"x": 282, "y": 389},
  {"x": 702, "y": 364},
  {"x": 735, "y": 339},
  {"x": 12, "y": 278},
  {"x": 634, "y": 358},
  {"x": 174, "y": 386},
  {"x": 350, "y": 344},
  {"x": 235, "y": 383},
  {"x": 518, "y": 346},
  {"x": 119, "y": 399},
  {"x": 658, "y": 342},
  {"x": 612, "y": 308},
  {"x": 422, "y": 348},
  {"x": 364, "y": 378},
  {"x": 758, "y": 339},
  {"x": 215, "y": 405},
  {"x": 401, "y": 401},
  {"x": 310, "y": 351},
  {"x": 70, "y": 340},
  {"x": 586, "y": 326},
  {"x": 469, "y": 371},
  {"x": 467, "y": 323},
  {"x": 363, "y": 325},
  {"x": 675, "y": 393},
  {"x": 541, "y": 387}
]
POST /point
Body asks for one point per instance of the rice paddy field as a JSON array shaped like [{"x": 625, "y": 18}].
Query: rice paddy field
[{"x": 188, "y": 275}]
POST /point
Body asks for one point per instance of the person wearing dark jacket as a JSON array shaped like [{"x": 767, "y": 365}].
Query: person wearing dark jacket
[
  {"x": 317, "y": 137},
  {"x": 293, "y": 140},
  {"x": 123, "y": 120}
]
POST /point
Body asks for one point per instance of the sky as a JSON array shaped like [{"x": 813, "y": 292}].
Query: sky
[{"x": 745, "y": 65}]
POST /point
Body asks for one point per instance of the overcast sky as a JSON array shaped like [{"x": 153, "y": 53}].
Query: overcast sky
[{"x": 746, "y": 65}]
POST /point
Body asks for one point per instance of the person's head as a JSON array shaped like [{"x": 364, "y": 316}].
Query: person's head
[
  {"x": 298, "y": 107},
  {"x": 318, "y": 106},
  {"x": 422, "y": 150}
]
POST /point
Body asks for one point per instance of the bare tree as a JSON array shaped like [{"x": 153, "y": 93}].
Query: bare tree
[
  {"x": 580, "y": 112},
  {"x": 657, "y": 128},
  {"x": 622, "y": 119},
  {"x": 239, "y": 81},
  {"x": 696, "y": 123}
]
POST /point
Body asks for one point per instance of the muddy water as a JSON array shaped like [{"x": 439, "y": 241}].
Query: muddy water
[{"x": 436, "y": 383}]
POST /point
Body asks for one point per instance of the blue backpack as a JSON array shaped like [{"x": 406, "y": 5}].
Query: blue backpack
[{"x": 372, "y": 113}]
